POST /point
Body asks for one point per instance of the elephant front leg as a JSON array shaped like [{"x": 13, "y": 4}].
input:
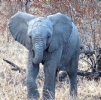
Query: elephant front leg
[
  {"x": 32, "y": 71},
  {"x": 72, "y": 73},
  {"x": 50, "y": 67},
  {"x": 73, "y": 85},
  {"x": 49, "y": 84}
]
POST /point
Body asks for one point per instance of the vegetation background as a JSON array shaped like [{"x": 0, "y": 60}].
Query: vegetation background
[{"x": 86, "y": 14}]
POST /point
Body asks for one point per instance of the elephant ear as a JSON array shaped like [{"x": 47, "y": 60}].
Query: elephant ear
[
  {"x": 62, "y": 29},
  {"x": 18, "y": 26}
]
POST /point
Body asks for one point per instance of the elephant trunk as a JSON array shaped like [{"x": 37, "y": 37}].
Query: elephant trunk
[{"x": 38, "y": 51}]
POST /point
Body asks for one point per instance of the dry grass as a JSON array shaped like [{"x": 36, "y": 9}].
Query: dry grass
[{"x": 13, "y": 86}]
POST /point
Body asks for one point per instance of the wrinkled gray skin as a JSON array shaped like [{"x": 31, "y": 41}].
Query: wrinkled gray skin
[{"x": 52, "y": 41}]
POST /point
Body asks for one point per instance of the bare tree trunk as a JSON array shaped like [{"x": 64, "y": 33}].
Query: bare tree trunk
[{"x": 27, "y": 5}]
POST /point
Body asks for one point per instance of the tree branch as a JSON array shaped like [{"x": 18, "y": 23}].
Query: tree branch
[{"x": 14, "y": 66}]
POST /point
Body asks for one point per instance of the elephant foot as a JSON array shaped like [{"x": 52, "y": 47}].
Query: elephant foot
[
  {"x": 31, "y": 99},
  {"x": 73, "y": 97},
  {"x": 33, "y": 95},
  {"x": 47, "y": 95}
]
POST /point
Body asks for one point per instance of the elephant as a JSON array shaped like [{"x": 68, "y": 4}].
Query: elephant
[{"x": 53, "y": 41}]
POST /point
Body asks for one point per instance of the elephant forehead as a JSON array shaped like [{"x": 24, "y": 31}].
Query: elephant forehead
[
  {"x": 39, "y": 24},
  {"x": 40, "y": 21}
]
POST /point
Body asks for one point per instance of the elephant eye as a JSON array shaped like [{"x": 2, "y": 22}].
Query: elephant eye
[
  {"x": 30, "y": 37},
  {"x": 48, "y": 37}
]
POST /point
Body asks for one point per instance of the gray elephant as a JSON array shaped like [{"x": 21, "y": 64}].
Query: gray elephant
[{"x": 52, "y": 41}]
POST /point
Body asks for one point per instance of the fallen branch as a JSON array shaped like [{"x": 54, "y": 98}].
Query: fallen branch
[
  {"x": 14, "y": 66},
  {"x": 90, "y": 75}
]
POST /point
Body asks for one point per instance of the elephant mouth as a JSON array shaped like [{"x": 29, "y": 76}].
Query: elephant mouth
[
  {"x": 33, "y": 53},
  {"x": 35, "y": 59}
]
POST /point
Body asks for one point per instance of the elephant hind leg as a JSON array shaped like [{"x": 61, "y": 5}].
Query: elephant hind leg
[{"x": 62, "y": 75}]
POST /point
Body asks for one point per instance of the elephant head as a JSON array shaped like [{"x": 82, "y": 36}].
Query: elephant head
[{"x": 39, "y": 34}]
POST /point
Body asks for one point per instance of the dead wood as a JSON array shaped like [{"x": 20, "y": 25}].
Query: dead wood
[
  {"x": 90, "y": 75},
  {"x": 14, "y": 66}
]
